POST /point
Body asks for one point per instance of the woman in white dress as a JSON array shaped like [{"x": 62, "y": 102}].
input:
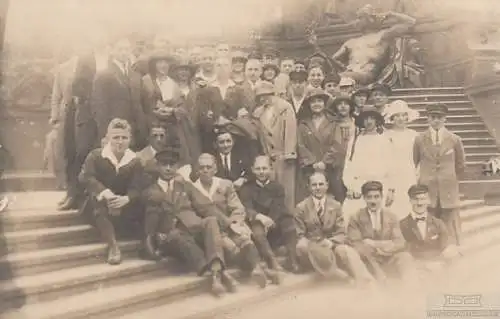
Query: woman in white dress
[
  {"x": 398, "y": 114},
  {"x": 367, "y": 159}
]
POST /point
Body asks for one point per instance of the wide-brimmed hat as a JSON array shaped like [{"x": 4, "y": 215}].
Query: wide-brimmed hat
[
  {"x": 184, "y": 63},
  {"x": 265, "y": 88},
  {"x": 271, "y": 66},
  {"x": 321, "y": 257},
  {"x": 331, "y": 78},
  {"x": 361, "y": 91},
  {"x": 299, "y": 76},
  {"x": 162, "y": 55},
  {"x": 367, "y": 112},
  {"x": 340, "y": 99},
  {"x": 239, "y": 56},
  {"x": 316, "y": 93},
  {"x": 399, "y": 106}
]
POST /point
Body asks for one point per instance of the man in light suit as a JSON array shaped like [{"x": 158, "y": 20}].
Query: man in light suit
[
  {"x": 319, "y": 218},
  {"x": 441, "y": 157},
  {"x": 60, "y": 99},
  {"x": 374, "y": 232},
  {"x": 279, "y": 136},
  {"x": 237, "y": 238},
  {"x": 426, "y": 236}
]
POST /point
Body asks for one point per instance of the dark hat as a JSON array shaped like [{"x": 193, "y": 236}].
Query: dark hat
[
  {"x": 239, "y": 57},
  {"x": 161, "y": 55},
  {"x": 300, "y": 62},
  {"x": 316, "y": 93},
  {"x": 321, "y": 257},
  {"x": 271, "y": 66},
  {"x": 372, "y": 186},
  {"x": 184, "y": 63},
  {"x": 361, "y": 91},
  {"x": 331, "y": 77},
  {"x": 168, "y": 155},
  {"x": 367, "y": 112},
  {"x": 417, "y": 189},
  {"x": 298, "y": 76},
  {"x": 343, "y": 98},
  {"x": 437, "y": 108},
  {"x": 381, "y": 87}
]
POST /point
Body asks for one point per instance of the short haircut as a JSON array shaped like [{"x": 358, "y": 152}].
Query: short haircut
[
  {"x": 262, "y": 156},
  {"x": 118, "y": 123},
  {"x": 206, "y": 155},
  {"x": 317, "y": 174},
  {"x": 372, "y": 186}
]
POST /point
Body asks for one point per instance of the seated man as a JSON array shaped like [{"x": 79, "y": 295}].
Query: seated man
[
  {"x": 237, "y": 238},
  {"x": 426, "y": 236},
  {"x": 319, "y": 219},
  {"x": 178, "y": 226},
  {"x": 231, "y": 164},
  {"x": 157, "y": 141},
  {"x": 271, "y": 222},
  {"x": 374, "y": 232},
  {"x": 111, "y": 176}
]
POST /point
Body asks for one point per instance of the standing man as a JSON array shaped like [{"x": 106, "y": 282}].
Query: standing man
[
  {"x": 117, "y": 94},
  {"x": 271, "y": 222},
  {"x": 206, "y": 73},
  {"x": 441, "y": 157},
  {"x": 253, "y": 72},
  {"x": 298, "y": 89},
  {"x": 283, "y": 79},
  {"x": 279, "y": 138}
]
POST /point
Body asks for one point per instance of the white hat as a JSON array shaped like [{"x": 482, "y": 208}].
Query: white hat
[
  {"x": 399, "y": 106},
  {"x": 346, "y": 81}
]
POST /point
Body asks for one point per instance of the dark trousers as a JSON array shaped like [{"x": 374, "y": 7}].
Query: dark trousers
[
  {"x": 451, "y": 218},
  {"x": 198, "y": 247}
]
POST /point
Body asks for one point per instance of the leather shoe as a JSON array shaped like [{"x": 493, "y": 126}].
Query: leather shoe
[
  {"x": 70, "y": 203},
  {"x": 216, "y": 286},
  {"x": 274, "y": 275},
  {"x": 150, "y": 250},
  {"x": 229, "y": 282},
  {"x": 114, "y": 255},
  {"x": 259, "y": 276}
]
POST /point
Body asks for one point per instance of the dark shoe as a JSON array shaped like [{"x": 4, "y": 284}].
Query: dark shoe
[
  {"x": 114, "y": 255},
  {"x": 216, "y": 286},
  {"x": 229, "y": 282},
  {"x": 292, "y": 266},
  {"x": 259, "y": 276},
  {"x": 274, "y": 264},
  {"x": 274, "y": 275},
  {"x": 71, "y": 203},
  {"x": 64, "y": 200},
  {"x": 150, "y": 250}
]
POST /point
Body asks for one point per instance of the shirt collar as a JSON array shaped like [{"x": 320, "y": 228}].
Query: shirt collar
[
  {"x": 415, "y": 216},
  {"x": 319, "y": 202},
  {"x": 378, "y": 211},
  {"x": 128, "y": 157},
  {"x": 121, "y": 65},
  {"x": 262, "y": 184},
  {"x": 165, "y": 185}
]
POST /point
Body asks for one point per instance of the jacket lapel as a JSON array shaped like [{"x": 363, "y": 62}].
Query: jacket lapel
[
  {"x": 429, "y": 146},
  {"x": 446, "y": 144},
  {"x": 329, "y": 217},
  {"x": 414, "y": 228},
  {"x": 366, "y": 220}
]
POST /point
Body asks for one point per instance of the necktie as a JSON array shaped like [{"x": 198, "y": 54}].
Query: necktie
[
  {"x": 226, "y": 165},
  {"x": 320, "y": 213},
  {"x": 420, "y": 219},
  {"x": 437, "y": 137}
]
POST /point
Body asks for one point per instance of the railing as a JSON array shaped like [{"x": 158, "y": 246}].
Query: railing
[{"x": 457, "y": 73}]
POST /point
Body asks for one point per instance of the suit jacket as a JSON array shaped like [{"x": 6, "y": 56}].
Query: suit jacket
[
  {"x": 115, "y": 95},
  {"x": 435, "y": 241},
  {"x": 360, "y": 227},
  {"x": 62, "y": 89},
  {"x": 440, "y": 166},
  {"x": 329, "y": 226},
  {"x": 181, "y": 205},
  {"x": 224, "y": 198},
  {"x": 316, "y": 145},
  {"x": 268, "y": 200},
  {"x": 237, "y": 97},
  {"x": 240, "y": 166}
]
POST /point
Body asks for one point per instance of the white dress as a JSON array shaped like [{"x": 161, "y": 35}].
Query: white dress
[
  {"x": 402, "y": 153},
  {"x": 371, "y": 161}
]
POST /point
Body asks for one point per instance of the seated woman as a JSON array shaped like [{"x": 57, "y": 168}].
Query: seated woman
[
  {"x": 111, "y": 176},
  {"x": 317, "y": 148}
]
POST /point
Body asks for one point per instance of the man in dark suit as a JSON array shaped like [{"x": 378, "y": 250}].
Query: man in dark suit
[
  {"x": 178, "y": 226},
  {"x": 374, "y": 232},
  {"x": 232, "y": 164},
  {"x": 441, "y": 158},
  {"x": 117, "y": 94},
  {"x": 426, "y": 236},
  {"x": 271, "y": 222}
]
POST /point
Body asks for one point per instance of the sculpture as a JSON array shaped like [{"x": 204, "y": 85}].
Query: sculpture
[{"x": 370, "y": 57}]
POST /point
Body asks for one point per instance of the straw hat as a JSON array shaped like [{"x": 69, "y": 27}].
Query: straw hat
[{"x": 397, "y": 107}]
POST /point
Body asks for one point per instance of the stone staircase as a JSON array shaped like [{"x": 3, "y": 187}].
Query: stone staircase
[
  {"x": 464, "y": 120},
  {"x": 59, "y": 271}
]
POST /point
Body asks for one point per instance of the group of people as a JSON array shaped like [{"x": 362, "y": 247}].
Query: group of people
[{"x": 220, "y": 158}]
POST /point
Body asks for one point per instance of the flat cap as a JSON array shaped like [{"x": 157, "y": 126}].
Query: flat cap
[
  {"x": 265, "y": 88},
  {"x": 437, "y": 108},
  {"x": 417, "y": 189},
  {"x": 371, "y": 186},
  {"x": 298, "y": 76},
  {"x": 169, "y": 155}
]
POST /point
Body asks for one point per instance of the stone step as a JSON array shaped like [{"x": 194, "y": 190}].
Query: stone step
[
  {"x": 477, "y": 157},
  {"x": 477, "y": 141},
  {"x": 452, "y": 105},
  {"x": 467, "y": 133},
  {"x": 55, "y": 259},
  {"x": 34, "y": 200},
  {"x": 452, "y": 118},
  {"x": 46, "y": 238},
  {"x": 430, "y": 97},
  {"x": 476, "y": 149},
  {"x": 18, "y": 220},
  {"x": 473, "y": 126},
  {"x": 431, "y": 90},
  {"x": 55, "y": 285},
  {"x": 480, "y": 186},
  {"x": 27, "y": 181}
]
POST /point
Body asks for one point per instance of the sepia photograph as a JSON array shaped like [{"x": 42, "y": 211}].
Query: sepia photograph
[{"x": 245, "y": 159}]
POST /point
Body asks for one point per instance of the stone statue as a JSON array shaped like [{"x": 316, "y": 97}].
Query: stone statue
[{"x": 369, "y": 58}]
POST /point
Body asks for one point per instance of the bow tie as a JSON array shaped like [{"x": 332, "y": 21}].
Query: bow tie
[{"x": 420, "y": 219}]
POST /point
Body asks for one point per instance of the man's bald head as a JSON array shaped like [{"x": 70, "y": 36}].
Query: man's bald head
[
  {"x": 318, "y": 185},
  {"x": 261, "y": 168}
]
